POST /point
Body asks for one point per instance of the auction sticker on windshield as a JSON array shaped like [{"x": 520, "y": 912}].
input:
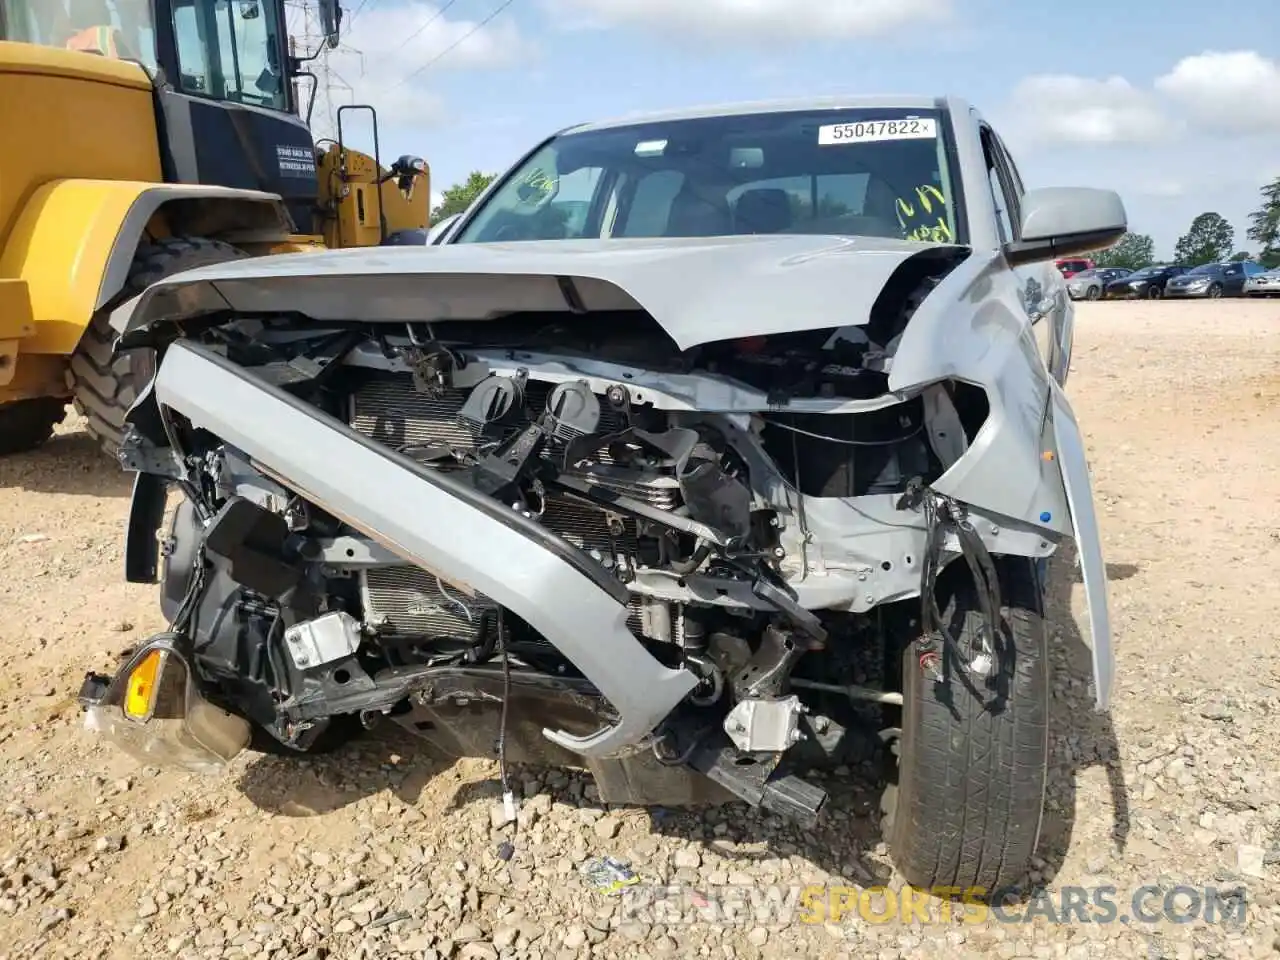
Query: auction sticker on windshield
[{"x": 863, "y": 131}]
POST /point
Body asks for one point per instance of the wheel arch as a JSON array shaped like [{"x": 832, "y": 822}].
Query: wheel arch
[{"x": 75, "y": 241}]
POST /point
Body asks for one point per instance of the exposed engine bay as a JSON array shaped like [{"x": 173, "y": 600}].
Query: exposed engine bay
[{"x": 561, "y": 538}]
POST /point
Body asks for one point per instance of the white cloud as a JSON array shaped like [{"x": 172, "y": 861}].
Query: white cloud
[
  {"x": 1061, "y": 108},
  {"x": 760, "y": 19},
  {"x": 383, "y": 49},
  {"x": 1235, "y": 92},
  {"x": 1162, "y": 187}
]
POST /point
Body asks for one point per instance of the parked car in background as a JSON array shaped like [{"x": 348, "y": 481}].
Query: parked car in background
[
  {"x": 1265, "y": 284},
  {"x": 1148, "y": 282},
  {"x": 1090, "y": 284},
  {"x": 1070, "y": 266},
  {"x": 1213, "y": 280}
]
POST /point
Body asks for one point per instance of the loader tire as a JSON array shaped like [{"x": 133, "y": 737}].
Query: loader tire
[
  {"x": 966, "y": 810},
  {"x": 26, "y": 424},
  {"x": 103, "y": 389}
]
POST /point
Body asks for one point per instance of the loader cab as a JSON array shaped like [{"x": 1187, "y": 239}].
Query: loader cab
[
  {"x": 226, "y": 105},
  {"x": 228, "y": 112}
]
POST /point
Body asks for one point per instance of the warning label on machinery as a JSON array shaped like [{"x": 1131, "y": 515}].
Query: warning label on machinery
[{"x": 295, "y": 161}]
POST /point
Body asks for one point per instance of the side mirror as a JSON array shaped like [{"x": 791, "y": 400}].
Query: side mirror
[
  {"x": 1065, "y": 221},
  {"x": 330, "y": 21}
]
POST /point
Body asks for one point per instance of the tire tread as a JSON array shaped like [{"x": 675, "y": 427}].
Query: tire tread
[
  {"x": 103, "y": 389},
  {"x": 966, "y": 810}
]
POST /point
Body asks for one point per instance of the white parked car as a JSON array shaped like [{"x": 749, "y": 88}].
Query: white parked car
[{"x": 1263, "y": 284}]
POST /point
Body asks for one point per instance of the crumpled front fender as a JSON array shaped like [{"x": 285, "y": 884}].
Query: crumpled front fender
[
  {"x": 1027, "y": 462},
  {"x": 973, "y": 328},
  {"x": 1084, "y": 520}
]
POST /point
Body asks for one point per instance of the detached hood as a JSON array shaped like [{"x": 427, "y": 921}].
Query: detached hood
[{"x": 699, "y": 290}]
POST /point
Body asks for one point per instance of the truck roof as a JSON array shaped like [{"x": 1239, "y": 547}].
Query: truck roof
[{"x": 835, "y": 102}]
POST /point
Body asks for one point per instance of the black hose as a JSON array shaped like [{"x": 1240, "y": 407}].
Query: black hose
[
  {"x": 940, "y": 515},
  {"x": 684, "y": 567}
]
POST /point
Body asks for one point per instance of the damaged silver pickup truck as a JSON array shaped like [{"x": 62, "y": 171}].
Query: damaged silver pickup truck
[{"x": 704, "y": 449}]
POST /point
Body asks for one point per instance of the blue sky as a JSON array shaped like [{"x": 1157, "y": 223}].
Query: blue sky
[{"x": 1174, "y": 104}]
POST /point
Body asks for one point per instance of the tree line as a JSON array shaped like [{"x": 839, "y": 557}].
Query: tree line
[{"x": 1209, "y": 239}]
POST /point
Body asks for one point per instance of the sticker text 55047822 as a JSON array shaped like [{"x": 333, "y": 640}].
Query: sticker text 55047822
[{"x": 863, "y": 131}]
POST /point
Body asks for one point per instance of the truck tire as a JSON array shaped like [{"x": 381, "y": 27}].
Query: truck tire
[
  {"x": 26, "y": 424},
  {"x": 103, "y": 389},
  {"x": 966, "y": 809}
]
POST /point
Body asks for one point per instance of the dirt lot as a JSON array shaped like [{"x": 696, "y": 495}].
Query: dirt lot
[{"x": 378, "y": 853}]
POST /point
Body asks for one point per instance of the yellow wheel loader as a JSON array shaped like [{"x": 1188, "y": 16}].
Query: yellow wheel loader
[{"x": 146, "y": 137}]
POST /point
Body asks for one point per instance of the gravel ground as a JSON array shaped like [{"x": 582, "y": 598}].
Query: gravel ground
[{"x": 380, "y": 851}]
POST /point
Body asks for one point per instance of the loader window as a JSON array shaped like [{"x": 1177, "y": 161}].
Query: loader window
[
  {"x": 229, "y": 50},
  {"x": 114, "y": 28}
]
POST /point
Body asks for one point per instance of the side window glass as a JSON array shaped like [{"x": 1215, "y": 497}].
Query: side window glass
[
  {"x": 572, "y": 203},
  {"x": 1015, "y": 177},
  {"x": 651, "y": 204},
  {"x": 191, "y": 52},
  {"x": 1010, "y": 185},
  {"x": 229, "y": 51},
  {"x": 1004, "y": 219}
]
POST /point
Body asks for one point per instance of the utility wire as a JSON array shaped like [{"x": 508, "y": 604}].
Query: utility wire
[
  {"x": 452, "y": 46},
  {"x": 430, "y": 20},
  {"x": 356, "y": 12}
]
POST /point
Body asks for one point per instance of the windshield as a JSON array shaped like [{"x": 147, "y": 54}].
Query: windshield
[
  {"x": 1085, "y": 275},
  {"x": 881, "y": 173},
  {"x": 1144, "y": 272},
  {"x": 1203, "y": 270},
  {"x": 114, "y": 28}
]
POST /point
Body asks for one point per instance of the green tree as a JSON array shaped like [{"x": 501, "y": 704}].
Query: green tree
[
  {"x": 1264, "y": 224},
  {"x": 1240, "y": 256},
  {"x": 1132, "y": 251},
  {"x": 458, "y": 197},
  {"x": 1209, "y": 239}
]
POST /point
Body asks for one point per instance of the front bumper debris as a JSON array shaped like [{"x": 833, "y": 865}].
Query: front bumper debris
[
  {"x": 466, "y": 538},
  {"x": 153, "y": 711}
]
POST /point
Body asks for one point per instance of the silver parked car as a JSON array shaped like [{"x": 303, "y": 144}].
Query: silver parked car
[
  {"x": 1263, "y": 284},
  {"x": 688, "y": 422},
  {"x": 1089, "y": 284}
]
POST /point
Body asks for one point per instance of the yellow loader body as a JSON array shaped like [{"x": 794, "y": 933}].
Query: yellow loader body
[{"x": 83, "y": 188}]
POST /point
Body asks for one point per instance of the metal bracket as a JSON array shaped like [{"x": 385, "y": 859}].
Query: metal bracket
[{"x": 330, "y": 637}]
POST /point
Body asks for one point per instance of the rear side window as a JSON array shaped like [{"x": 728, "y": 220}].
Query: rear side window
[{"x": 119, "y": 28}]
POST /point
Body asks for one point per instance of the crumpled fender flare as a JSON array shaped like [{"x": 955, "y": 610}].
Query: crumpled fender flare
[{"x": 1084, "y": 520}]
